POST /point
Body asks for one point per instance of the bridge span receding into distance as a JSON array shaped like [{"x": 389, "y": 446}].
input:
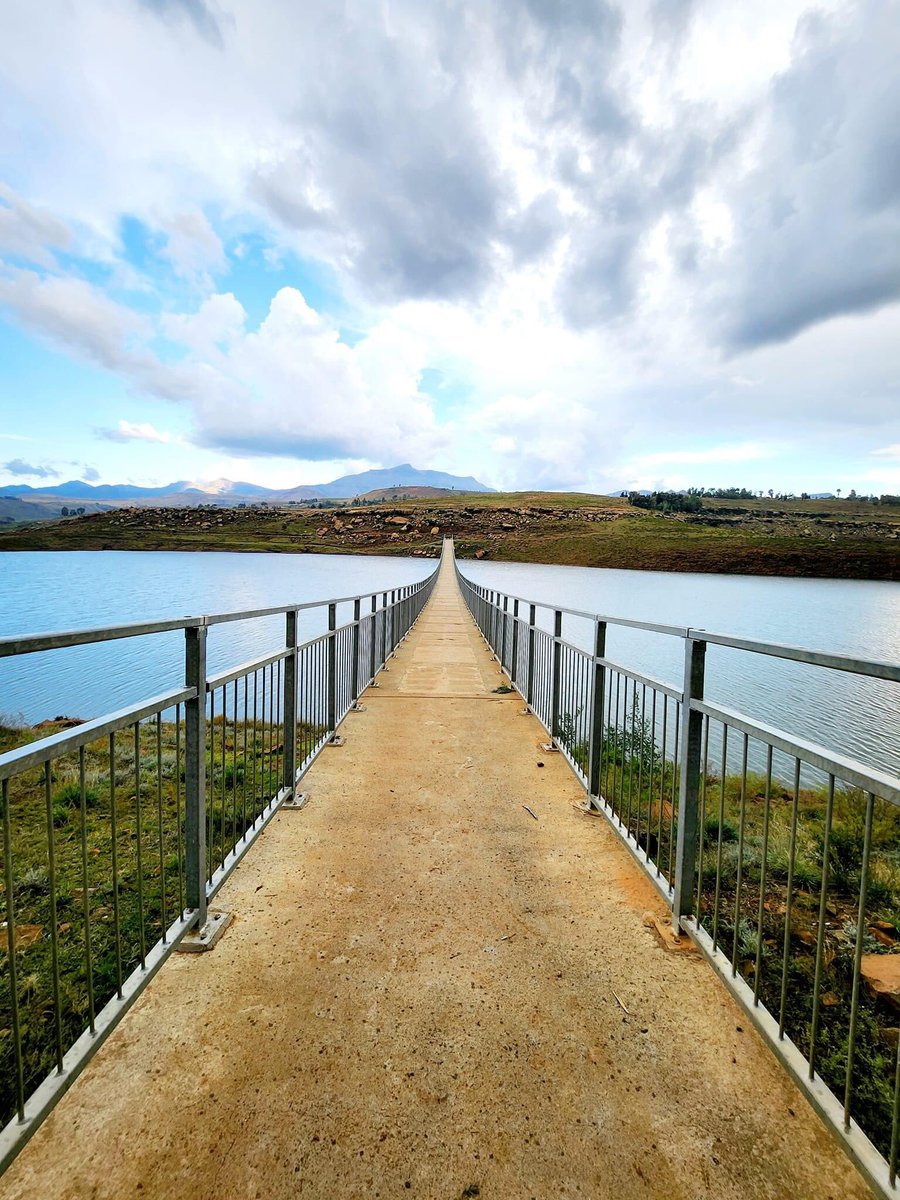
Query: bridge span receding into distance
[{"x": 489, "y": 914}]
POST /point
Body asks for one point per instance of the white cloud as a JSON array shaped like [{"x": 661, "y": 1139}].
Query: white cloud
[
  {"x": 128, "y": 431},
  {"x": 75, "y": 313},
  {"x": 193, "y": 247},
  {"x": 564, "y": 209},
  {"x": 745, "y": 452},
  {"x": 18, "y": 466},
  {"x": 218, "y": 322},
  {"x": 291, "y": 387},
  {"x": 30, "y": 232},
  {"x": 544, "y": 440},
  {"x": 890, "y": 452}
]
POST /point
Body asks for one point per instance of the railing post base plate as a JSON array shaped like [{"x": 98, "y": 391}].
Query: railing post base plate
[
  {"x": 200, "y": 940},
  {"x": 296, "y": 801},
  {"x": 672, "y": 940}
]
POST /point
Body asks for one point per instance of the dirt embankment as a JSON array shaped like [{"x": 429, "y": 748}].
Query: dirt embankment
[{"x": 828, "y": 539}]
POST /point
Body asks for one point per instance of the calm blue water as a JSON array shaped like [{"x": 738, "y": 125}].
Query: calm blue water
[
  {"x": 41, "y": 591},
  {"x": 47, "y": 591},
  {"x": 848, "y": 713}
]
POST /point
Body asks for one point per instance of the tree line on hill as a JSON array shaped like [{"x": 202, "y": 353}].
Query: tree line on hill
[{"x": 692, "y": 499}]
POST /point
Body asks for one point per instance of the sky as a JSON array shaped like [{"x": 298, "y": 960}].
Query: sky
[{"x": 561, "y": 244}]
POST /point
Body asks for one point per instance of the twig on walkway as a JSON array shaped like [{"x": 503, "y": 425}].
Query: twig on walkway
[
  {"x": 529, "y": 810},
  {"x": 507, "y": 937},
  {"x": 622, "y": 1006}
]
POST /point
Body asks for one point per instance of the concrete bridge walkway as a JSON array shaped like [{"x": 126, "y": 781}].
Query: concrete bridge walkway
[{"x": 428, "y": 992}]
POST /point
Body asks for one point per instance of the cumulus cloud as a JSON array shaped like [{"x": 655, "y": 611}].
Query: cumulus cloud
[
  {"x": 194, "y": 12},
  {"x": 671, "y": 215},
  {"x": 218, "y": 322},
  {"x": 18, "y": 466},
  {"x": 128, "y": 431},
  {"x": 817, "y": 216},
  {"x": 28, "y": 231},
  {"x": 291, "y": 387},
  {"x": 94, "y": 327},
  {"x": 73, "y": 312},
  {"x": 544, "y": 438},
  {"x": 193, "y": 247},
  {"x": 425, "y": 150},
  {"x": 386, "y": 160}
]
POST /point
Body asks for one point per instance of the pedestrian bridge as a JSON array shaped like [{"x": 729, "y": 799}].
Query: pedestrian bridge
[{"x": 450, "y": 968}]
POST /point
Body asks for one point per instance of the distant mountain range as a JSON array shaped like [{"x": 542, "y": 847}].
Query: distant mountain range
[{"x": 227, "y": 491}]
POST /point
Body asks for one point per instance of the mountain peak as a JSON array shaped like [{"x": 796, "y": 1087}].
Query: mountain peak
[{"x": 345, "y": 488}]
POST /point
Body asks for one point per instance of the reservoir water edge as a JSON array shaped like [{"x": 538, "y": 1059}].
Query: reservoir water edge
[{"x": 49, "y": 591}]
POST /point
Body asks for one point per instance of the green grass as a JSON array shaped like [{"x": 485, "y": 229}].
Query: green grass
[
  {"x": 756, "y": 837},
  {"x": 118, "y": 869}
]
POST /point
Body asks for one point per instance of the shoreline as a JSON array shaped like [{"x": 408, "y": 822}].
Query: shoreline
[{"x": 793, "y": 539}]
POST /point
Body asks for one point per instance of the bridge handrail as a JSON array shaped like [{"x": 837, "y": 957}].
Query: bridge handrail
[
  {"x": 54, "y": 640},
  {"x": 670, "y": 772},
  {"x": 821, "y": 658},
  {"x": 180, "y": 785}
]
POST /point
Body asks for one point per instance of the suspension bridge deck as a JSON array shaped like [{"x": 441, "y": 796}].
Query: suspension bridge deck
[{"x": 429, "y": 991}]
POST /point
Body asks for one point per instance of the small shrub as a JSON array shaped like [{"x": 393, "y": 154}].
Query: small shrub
[
  {"x": 70, "y": 796},
  {"x": 845, "y": 852},
  {"x": 35, "y": 882},
  {"x": 807, "y": 874},
  {"x": 61, "y": 814},
  {"x": 711, "y": 830},
  {"x": 748, "y": 940}
]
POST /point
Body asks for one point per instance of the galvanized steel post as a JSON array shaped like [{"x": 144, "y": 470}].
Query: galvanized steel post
[
  {"x": 332, "y": 671},
  {"x": 557, "y": 660},
  {"x": 354, "y": 652},
  {"x": 289, "y": 773},
  {"x": 529, "y": 691},
  {"x": 689, "y": 782},
  {"x": 504, "y": 623},
  {"x": 195, "y": 772},
  {"x": 384, "y": 649},
  {"x": 598, "y": 700},
  {"x": 514, "y": 665},
  {"x": 373, "y": 638}
]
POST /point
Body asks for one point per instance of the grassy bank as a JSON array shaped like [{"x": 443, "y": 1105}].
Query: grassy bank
[
  {"x": 769, "y": 850},
  {"x": 841, "y": 539},
  {"x": 96, "y": 858},
  {"x": 779, "y": 873}
]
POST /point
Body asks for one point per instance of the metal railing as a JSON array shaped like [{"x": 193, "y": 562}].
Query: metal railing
[
  {"x": 118, "y": 832},
  {"x": 779, "y": 857}
]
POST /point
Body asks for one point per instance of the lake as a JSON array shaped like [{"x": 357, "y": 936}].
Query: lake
[
  {"x": 50, "y": 591},
  {"x": 848, "y": 713},
  {"x": 44, "y": 591}
]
